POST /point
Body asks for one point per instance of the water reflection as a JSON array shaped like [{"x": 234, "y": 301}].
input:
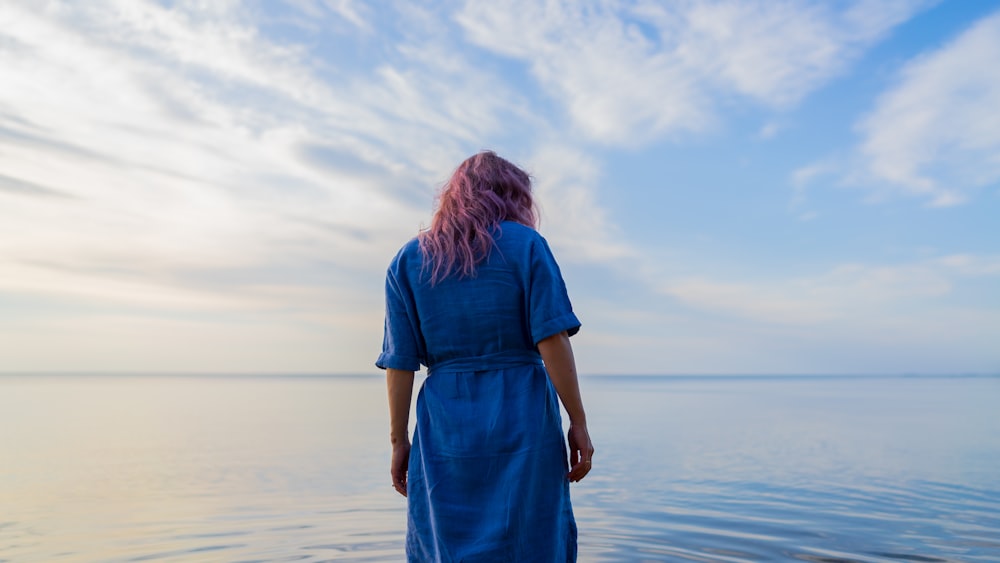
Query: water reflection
[{"x": 267, "y": 469}]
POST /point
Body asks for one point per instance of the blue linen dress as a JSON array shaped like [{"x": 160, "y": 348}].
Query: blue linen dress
[{"x": 488, "y": 463}]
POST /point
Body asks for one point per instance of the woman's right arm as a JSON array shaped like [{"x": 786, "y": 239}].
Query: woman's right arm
[{"x": 557, "y": 353}]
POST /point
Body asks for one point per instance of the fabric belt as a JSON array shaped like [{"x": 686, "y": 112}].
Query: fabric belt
[{"x": 500, "y": 360}]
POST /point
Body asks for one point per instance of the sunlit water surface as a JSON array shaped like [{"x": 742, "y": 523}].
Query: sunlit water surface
[{"x": 246, "y": 469}]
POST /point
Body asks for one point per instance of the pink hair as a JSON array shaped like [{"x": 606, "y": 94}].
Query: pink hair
[{"x": 483, "y": 191}]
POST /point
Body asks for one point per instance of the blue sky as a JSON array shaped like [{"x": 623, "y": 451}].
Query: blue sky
[{"x": 730, "y": 187}]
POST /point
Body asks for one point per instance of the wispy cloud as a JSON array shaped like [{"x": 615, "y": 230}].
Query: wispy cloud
[
  {"x": 17, "y": 186},
  {"x": 935, "y": 133},
  {"x": 849, "y": 292},
  {"x": 630, "y": 72},
  {"x": 207, "y": 169},
  {"x": 573, "y": 218},
  {"x": 187, "y": 132},
  {"x": 216, "y": 176}
]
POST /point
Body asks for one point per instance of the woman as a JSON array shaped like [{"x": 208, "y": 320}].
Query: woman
[{"x": 479, "y": 300}]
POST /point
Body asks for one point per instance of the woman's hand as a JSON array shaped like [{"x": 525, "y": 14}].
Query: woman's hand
[
  {"x": 581, "y": 451},
  {"x": 400, "y": 466}
]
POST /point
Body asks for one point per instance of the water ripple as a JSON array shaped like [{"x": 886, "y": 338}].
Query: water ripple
[
  {"x": 260, "y": 470},
  {"x": 738, "y": 521}
]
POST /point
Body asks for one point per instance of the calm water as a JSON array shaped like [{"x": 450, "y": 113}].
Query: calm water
[{"x": 687, "y": 469}]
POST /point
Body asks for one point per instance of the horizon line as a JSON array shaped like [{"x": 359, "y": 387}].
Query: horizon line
[{"x": 360, "y": 375}]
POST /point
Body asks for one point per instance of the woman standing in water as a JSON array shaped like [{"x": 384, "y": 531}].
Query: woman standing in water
[{"x": 479, "y": 299}]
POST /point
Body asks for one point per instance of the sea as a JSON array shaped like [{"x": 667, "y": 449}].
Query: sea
[{"x": 831, "y": 469}]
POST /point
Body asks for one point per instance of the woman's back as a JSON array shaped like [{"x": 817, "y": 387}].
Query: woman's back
[{"x": 516, "y": 298}]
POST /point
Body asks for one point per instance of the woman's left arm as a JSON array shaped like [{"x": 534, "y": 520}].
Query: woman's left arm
[{"x": 400, "y": 386}]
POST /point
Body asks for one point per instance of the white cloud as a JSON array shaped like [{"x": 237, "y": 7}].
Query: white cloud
[
  {"x": 173, "y": 162},
  {"x": 164, "y": 161},
  {"x": 768, "y": 131},
  {"x": 911, "y": 317},
  {"x": 573, "y": 220},
  {"x": 185, "y": 140},
  {"x": 936, "y": 134},
  {"x": 614, "y": 83},
  {"x": 947, "y": 342},
  {"x": 630, "y": 72},
  {"x": 776, "y": 52},
  {"x": 856, "y": 293},
  {"x": 351, "y": 11},
  {"x": 173, "y": 178}
]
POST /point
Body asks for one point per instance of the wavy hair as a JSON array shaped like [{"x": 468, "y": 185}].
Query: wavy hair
[{"x": 484, "y": 190}]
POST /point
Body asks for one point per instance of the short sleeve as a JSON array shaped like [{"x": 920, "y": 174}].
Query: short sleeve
[
  {"x": 549, "y": 308},
  {"x": 399, "y": 342}
]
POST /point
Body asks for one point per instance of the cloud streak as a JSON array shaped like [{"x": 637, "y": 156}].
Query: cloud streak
[
  {"x": 207, "y": 169},
  {"x": 631, "y": 72},
  {"x": 195, "y": 135},
  {"x": 936, "y": 134},
  {"x": 849, "y": 292},
  {"x": 173, "y": 173}
]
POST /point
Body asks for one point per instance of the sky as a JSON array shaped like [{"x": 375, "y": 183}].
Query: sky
[{"x": 730, "y": 187}]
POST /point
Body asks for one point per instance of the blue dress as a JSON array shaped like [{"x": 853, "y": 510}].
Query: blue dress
[{"x": 488, "y": 463}]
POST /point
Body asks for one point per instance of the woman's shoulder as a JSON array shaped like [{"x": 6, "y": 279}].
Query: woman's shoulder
[
  {"x": 516, "y": 232},
  {"x": 412, "y": 247},
  {"x": 407, "y": 254},
  {"x": 518, "y": 238}
]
